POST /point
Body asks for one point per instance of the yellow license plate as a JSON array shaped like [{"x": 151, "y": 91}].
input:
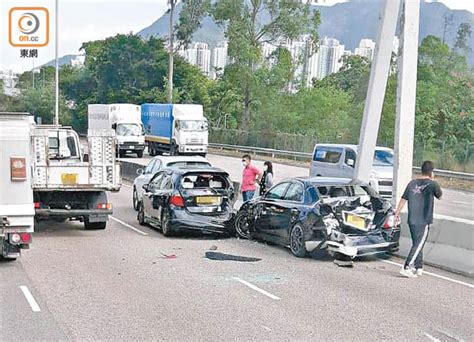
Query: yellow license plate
[
  {"x": 356, "y": 221},
  {"x": 210, "y": 200},
  {"x": 69, "y": 178}
]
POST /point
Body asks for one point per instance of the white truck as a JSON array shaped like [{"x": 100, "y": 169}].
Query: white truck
[
  {"x": 68, "y": 184},
  {"x": 175, "y": 129},
  {"x": 16, "y": 195},
  {"x": 125, "y": 120}
]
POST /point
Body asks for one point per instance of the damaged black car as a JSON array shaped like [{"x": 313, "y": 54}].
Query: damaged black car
[
  {"x": 180, "y": 199},
  {"x": 346, "y": 218}
]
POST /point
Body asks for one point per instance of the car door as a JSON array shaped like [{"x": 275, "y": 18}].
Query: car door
[
  {"x": 267, "y": 208},
  {"x": 148, "y": 194},
  {"x": 162, "y": 195},
  {"x": 288, "y": 209},
  {"x": 348, "y": 166},
  {"x": 144, "y": 178}
]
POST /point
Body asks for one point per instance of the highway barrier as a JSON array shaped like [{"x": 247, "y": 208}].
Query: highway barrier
[{"x": 449, "y": 246}]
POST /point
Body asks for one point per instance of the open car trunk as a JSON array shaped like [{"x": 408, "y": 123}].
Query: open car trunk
[{"x": 207, "y": 193}]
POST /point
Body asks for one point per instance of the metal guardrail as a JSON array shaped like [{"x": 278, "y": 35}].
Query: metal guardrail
[{"x": 307, "y": 156}]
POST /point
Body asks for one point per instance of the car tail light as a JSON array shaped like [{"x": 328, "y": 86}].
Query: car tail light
[
  {"x": 177, "y": 201},
  {"x": 104, "y": 206},
  {"x": 37, "y": 205},
  {"x": 25, "y": 237},
  {"x": 390, "y": 222}
]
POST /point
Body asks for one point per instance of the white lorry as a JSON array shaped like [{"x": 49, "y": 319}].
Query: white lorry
[
  {"x": 125, "y": 120},
  {"x": 175, "y": 129},
  {"x": 68, "y": 184},
  {"x": 16, "y": 195}
]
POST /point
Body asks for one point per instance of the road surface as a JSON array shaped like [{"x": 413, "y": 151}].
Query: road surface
[{"x": 129, "y": 282}]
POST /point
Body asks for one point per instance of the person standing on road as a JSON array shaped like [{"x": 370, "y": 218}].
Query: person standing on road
[
  {"x": 250, "y": 177},
  {"x": 419, "y": 194},
  {"x": 267, "y": 179}
]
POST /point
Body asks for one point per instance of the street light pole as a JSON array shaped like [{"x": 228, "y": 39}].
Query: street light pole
[
  {"x": 56, "y": 105},
  {"x": 172, "y": 4}
]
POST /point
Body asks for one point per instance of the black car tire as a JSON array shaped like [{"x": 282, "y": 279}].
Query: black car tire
[
  {"x": 122, "y": 154},
  {"x": 135, "y": 199},
  {"x": 141, "y": 214},
  {"x": 242, "y": 225},
  {"x": 297, "y": 241},
  {"x": 94, "y": 225},
  {"x": 173, "y": 150},
  {"x": 140, "y": 154},
  {"x": 165, "y": 223}
]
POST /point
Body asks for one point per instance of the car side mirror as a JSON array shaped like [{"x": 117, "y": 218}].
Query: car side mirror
[
  {"x": 139, "y": 171},
  {"x": 325, "y": 209},
  {"x": 145, "y": 187},
  {"x": 351, "y": 162}
]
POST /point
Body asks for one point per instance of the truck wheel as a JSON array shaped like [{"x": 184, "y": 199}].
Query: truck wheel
[
  {"x": 151, "y": 150},
  {"x": 173, "y": 150},
  {"x": 122, "y": 154},
  {"x": 94, "y": 225},
  {"x": 140, "y": 154}
]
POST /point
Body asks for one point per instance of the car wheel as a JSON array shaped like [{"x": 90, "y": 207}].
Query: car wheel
[
  {"x": 242, "y": 225},
  {"x": 140, "y": 154},
  {"x": 122, "y": 154},
  {"x": 141, "y": 214},
  {"x": 135, "y": 199},
  {"x": 297, "y": 241},
  {"x": 94, "y": 225},
  {"x": 165, "y": 223}
]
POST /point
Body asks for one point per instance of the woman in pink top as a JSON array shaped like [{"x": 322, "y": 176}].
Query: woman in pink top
[{"x": 250, "y": 177}]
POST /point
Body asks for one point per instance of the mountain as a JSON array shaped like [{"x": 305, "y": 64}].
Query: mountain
[
  {"x": 348, "y": 22},
  {"x": 64, "y": 60}
]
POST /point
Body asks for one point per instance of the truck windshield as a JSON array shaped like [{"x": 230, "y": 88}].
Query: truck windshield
[
  {"x": 193, "y": 125},
  {"x": 129, "y": 129},
  {"x": 383, "y": 158}
]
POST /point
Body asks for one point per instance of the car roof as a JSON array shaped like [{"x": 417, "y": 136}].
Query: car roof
[
  {"x": 188, "y": 169},
  {"x": 325, "y": 181},
  {"x": 176, "y": 159},
  {"x": 354, "y": 147}
]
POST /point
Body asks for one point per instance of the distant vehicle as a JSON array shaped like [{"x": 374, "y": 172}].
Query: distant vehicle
[
  {"x": 338, "y": 160},
  {"x": 188, "y": 199},
  {"x": 16, "y": 195},
  {"x": 341, "y": 216},
  {"x": 68, "y": 184},
  {"x": 158, "y": 163},
  {"x": 125, "y": 120},
  {"x": 175, "y": 129}
]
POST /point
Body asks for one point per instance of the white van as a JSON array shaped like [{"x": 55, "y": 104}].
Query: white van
[{"x": 338, "y": 160}]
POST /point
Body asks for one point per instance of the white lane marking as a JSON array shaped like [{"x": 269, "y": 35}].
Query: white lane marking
[
  {"x": 455, "y": 219},
  {"x": 434, "y": 339},
  {"x": 31, "y": 300},
  {"x": 127, "y": 186},
  {"x": 434, "y": 275},
  {"x": 460, "y": 202},
  {"x": 128, "y": 226},
  {"x": 253, "y": 287}
]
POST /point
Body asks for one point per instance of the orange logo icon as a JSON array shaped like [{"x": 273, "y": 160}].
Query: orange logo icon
[{"x": 28, "y": 26}]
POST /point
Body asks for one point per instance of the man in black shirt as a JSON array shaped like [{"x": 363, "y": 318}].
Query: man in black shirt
[{"x": 419, "y": 194}]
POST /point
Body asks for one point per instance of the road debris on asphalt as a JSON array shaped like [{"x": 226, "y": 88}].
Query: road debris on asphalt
[{"x": 230, "y": 257}]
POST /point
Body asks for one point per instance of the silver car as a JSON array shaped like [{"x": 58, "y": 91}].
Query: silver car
[{"x": 158, "y": 163}]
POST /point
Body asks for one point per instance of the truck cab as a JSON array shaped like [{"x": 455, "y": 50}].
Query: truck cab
[{"x": 191, "y": 135}]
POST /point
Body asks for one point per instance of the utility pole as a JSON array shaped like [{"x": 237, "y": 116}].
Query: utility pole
[
  {"x": 406, "y": 97},
  {"x": 56, "y": 105},
  {"x": 172, "y": 4},
  {"x": 376, "y": 90}
]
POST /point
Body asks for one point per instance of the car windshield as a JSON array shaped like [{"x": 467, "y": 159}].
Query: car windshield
[
  {"x": 129, "y": 129},
  {"x": 193, "y": 125},
  {"x": 383, "y": 158},
  {"x": 189, "y": 163}
]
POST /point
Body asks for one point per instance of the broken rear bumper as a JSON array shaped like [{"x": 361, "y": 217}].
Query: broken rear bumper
[{"x": 182, "y": 220}]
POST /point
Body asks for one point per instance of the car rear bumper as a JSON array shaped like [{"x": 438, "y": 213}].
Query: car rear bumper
[{"x": 212, "y": 224}]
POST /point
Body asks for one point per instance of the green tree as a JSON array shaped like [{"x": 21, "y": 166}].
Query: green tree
[{"x": 289, "y": 20}]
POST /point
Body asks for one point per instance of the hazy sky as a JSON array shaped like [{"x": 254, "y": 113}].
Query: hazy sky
[{"x": 85, "y": 20}]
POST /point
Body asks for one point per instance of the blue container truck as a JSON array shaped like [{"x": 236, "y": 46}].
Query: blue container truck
[{"x": 175, "y": 129}]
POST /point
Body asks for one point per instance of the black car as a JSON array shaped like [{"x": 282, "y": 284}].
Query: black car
[
  {"x": 345, "y": 217},
  {"x": 188, "y": 199}
]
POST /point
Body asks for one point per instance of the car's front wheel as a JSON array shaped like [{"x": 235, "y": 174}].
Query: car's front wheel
[
  {"x": 242, "y": 225},
  {"x": 135, "y": 199},
  {"x": 141, "y": 214},
  {"x": 297, "y": 241}
]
